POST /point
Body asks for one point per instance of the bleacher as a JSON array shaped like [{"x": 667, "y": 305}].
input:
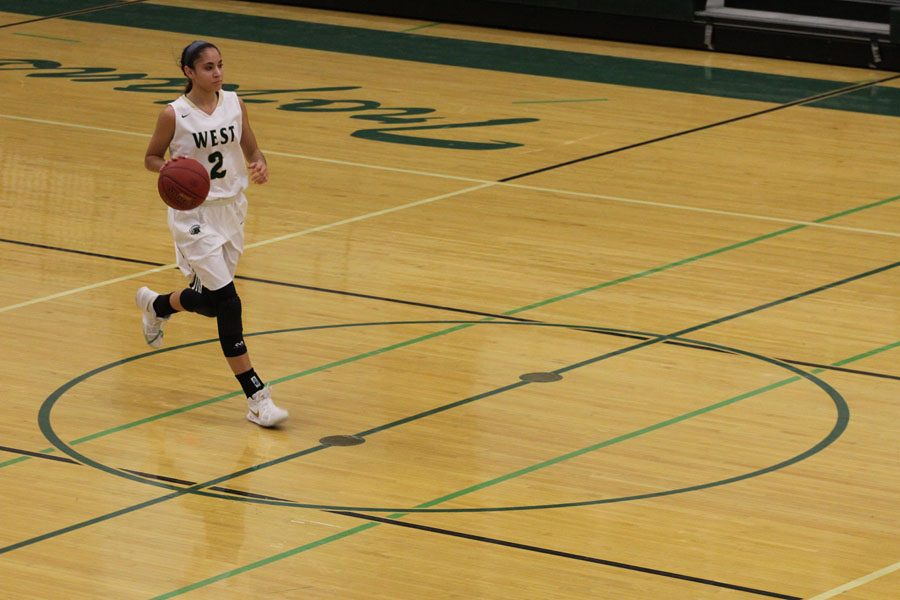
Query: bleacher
[
  {"x": 860, "y": 33},
  {"x": 849, "y": 32}
]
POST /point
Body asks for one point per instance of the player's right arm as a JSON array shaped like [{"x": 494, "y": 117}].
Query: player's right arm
[{"x": 159, "y": 142}]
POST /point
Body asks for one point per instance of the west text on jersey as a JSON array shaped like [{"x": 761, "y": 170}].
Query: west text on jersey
[{"x": 214, "y": 137}]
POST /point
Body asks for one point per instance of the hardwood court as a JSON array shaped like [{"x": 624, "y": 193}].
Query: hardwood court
[{"x": 704, "y": 267}]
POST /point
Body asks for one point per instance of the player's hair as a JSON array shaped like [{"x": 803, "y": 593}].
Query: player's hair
[{"x": 189, "y": 57}]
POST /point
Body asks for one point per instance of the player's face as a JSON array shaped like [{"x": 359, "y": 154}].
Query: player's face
[{"x": 207, "y": 72}]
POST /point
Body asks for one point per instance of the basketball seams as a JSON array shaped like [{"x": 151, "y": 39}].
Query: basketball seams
[
  {"x": 183, "y": 184},
  {"x": 177, "y": 193}
]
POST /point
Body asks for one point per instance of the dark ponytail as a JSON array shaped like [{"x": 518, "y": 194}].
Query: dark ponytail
[{"x": 189, "y": 57}]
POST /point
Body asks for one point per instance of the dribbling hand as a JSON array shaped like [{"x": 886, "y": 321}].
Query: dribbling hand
[{"x": 259, "y": 172}]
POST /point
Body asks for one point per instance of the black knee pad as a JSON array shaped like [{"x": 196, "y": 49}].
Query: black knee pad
[
  {"x": 198, "y": 302},
  {"x": 233, "y": 345},
  {"x": 228, "y": 317}
]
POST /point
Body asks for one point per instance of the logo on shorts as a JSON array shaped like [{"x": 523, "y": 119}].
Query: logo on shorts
[{"x": 194, "y": 230}]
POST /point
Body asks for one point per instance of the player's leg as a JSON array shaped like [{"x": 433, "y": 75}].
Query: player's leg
[
  {"x": 217, "y": 274},
  {"x": 157, "y": 308},
  {"x": 195, "y": 299},
  {"x": 261, "y": 409},
  {"x": 193, "y": 242}
]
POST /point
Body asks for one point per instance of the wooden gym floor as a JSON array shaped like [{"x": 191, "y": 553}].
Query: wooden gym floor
[{"x": 603, "y": 320}]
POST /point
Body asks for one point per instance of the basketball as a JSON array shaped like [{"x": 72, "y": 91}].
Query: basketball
[{"x": 183, "y": 183}]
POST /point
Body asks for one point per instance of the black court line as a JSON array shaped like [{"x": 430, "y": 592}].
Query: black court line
[
  {"x": 165, "y": 478},
  {"x": 436, "y": 307},
  {"x": 185, "y": 482},
  {"x": 465, "y": 311},
  {"x": 561, "y": 554},
  {"x": 822, "y": 96},
  {"x": 81, "y": 252},
  {"x": 64, "y": 459},
  {"x": 739, "y": 314},
  {"x": 198, "y": 488},
  {"x": 312, "y": 288},
  {"x": 511, "y": 178},
  {"x": 427, "y": 528},
  {"x": 73, "y": 13},
  {"x": 842, "y": 369}
]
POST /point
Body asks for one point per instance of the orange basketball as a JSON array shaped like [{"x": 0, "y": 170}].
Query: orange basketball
[{"x": 183, "y": 183}]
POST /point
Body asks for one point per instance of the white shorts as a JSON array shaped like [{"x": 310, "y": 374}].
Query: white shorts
[{"x": 209, "y": 240}]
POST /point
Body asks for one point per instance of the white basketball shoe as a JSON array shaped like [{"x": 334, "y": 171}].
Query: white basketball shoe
[
  {"x": 262, "y": 411},
  {"x": 152, "y": 324}
]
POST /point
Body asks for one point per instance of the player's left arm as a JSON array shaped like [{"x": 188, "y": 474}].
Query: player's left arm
[{"x": 256, "y": 162}]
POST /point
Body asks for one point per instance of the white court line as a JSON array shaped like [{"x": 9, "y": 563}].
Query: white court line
[
  {"x": 482, "y": 185},
  {"x": 713, "y": 211},
  {"x": 85, "y": 288},
  {"x": 289, "y": 236},
  {"x": 857, "y": 582},
  {"x": 316, "y": 522},
  {"x": 370, "y": 215},
  {"x": 620, "y": 199},
  {"x": 74, "y": 125}
]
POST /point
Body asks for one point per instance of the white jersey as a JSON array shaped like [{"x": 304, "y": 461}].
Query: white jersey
[{"x": 213, "y": 140}]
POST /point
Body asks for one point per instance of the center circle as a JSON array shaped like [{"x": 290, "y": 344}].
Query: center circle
[{"x": 45, "y": 413}]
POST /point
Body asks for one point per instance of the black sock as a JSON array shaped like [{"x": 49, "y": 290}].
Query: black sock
[
  {"x": 250, "y": 382},
  {"x": 162, "y": 306}
]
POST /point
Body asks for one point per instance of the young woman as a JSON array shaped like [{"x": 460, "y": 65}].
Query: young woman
[{"x": 210, "y": 125}]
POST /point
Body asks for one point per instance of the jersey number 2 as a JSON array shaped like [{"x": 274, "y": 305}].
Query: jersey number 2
[{"x": 217, "y": 171}]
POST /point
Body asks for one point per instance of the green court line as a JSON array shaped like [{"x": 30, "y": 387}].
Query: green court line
[
  {"x": 339, "y": 536},
  {"x": 703, "y": 255},
  {"x": 265, "y": 561},
  {"x": 44, "y": 419},
  {"x": 541, "y": 62},
  {"x": 457, "y": 328},
  {"x": 317, "y": 369},
  {"x": 604, "y": 444},
  {"x": 863, "y": 355},
  {"x": 19, "y": 459},
  {"x": 48, "y": 37},
  {"x": 359, "y": 529},
  {"x": 514, "y": 311},
  {"x": 654, "y": 270},
  {"x": 189, "y": 407}
]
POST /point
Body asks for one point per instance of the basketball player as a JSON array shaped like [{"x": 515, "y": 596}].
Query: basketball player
[{"x": 210, "y": 125}]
